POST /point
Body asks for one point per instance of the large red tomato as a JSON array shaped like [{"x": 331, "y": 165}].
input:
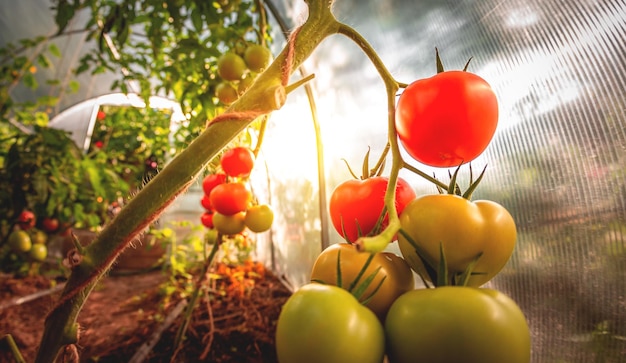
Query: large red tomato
[
  {"x": 447, "y": 119},
  {"x": 356, "y": 205}
]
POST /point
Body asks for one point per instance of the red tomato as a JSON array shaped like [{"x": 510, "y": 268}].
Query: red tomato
[
  {"x": 358, "y": 204},
  {"x": 101, "y": 115},
  {"x": 230, "y": 198},
  {"x": 211, "y": 181},
  {"x": 207, "y": 219},
  {"x": 49, "y": 224},
  {"x": 206, "y": 202},
  {"x": 26, "y": 220},
  {"x": 447, "y": 119},
  {"x": 237, "y": 161}
]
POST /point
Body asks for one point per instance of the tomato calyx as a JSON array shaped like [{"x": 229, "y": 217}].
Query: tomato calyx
[
  {"x": 440, "y": 68},
  {"x": 357, "y": 287}
]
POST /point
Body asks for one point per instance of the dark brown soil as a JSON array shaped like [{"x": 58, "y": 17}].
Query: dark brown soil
[{"x": 233, "y": 321}]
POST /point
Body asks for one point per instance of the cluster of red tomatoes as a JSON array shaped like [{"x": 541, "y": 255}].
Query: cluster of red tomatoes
[
  {"x": 229, "y": 206},
  {"x": 362, "y": 306}
]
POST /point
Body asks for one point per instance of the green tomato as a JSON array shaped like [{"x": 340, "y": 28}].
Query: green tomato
[
  {"x": 38, "y": 252},
  {"x": 259, "y": 218},
  {"x": 229, "y": 224},
  {"x": 464, "y": 228},
  {"x": 456, "y": 324},
  {"x": 326, "y": 324},
  {"x": 20, "y": 241},
  {"x": 231, "y": 66}
]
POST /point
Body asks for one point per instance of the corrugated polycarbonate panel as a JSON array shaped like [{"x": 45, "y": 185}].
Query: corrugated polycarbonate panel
[{"x": 558, "y": 159}]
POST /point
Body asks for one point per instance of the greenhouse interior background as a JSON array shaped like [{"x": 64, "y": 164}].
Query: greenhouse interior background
[{"x": 557, "y": 161}]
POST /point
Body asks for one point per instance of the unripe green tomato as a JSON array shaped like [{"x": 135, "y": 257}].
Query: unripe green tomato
[
  {"x": 38, "y": 252},
  {"x": 20, "y": 241},
  {"x": 259, "y": 218},
  {"x": 231, "y": 67},
  {"x": 257, "y": 58},
  {"x": 456, "y": 324},
  {"x": 326, "y": 324},
  {"x": 229, "y": 224},
  {"x": 226, "y": 93}
]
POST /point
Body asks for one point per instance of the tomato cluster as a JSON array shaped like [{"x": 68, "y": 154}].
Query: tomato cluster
[
  {"x": 26, "y": 245},
  {"x": 238, "y": 69},
  {"x": 363, "y": 306},
  {"x": 228, "y": 203}
]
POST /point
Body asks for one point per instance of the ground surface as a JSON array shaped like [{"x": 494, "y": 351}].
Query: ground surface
[{"x": 234, "y": 320}]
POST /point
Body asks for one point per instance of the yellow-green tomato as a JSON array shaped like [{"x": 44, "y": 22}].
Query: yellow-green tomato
[
  {"x": 393, "y": 276},
  {"x": 38, "y": 252},
  {"x": 452, "y": 324},
  {"x": 464, "y": 228},
  {"x": 259, "y": 218},
  {"x": 229, "y": 224},
  {"x": 326, "y": 324}
]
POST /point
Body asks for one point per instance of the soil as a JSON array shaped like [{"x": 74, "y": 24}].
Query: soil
[{"x": 233, "y": 321}]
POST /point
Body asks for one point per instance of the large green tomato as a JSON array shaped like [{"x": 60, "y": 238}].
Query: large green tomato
[
  {"x": 455, "y": 324},
  {"x": 464, "y": 228},
  {"x": 326, "y": 324},
  {"x": 393, "y": 276}
]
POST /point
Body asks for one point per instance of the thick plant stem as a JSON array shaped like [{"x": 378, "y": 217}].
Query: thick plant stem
[{"x": 264, "y": 96}]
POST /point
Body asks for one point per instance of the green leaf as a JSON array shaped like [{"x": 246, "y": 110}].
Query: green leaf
[
  {"x": 65, "y": 12},
  {"x": 54, "y": 50},
  {"x": 29, "y": 81}
]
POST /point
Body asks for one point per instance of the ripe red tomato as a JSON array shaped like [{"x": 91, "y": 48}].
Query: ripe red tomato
[
  {"x": 464, "y": 228},
  {"x": 324, "y": 323},
  {"x": 393, "y": 276},
  {"x": 456, "y": 324},
  {"x": 211, "y": 181},
  {"x": 207, "y": 219},
  {"x": 358, "y": 204},
  {"x": 26, "y": 220},
  {"x": 238, "y": 161},
  {"x": 230, "y": 198},
  {"x": 447, "y": 119},
  {"x": 50, "y": 224},
  {"x": 206, "y": 203},
  {"x": 100, "y": 115}
]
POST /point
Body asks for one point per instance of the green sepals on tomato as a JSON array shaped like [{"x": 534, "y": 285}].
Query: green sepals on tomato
[
  {"x": 479, "y": 233},
  {"x": 456, "y": 324},
  {"x": 325, "y": 323},
  {"x": 448, "y": 119},
  {"x": 343, "y": 265},
  {"x": 356, "y": 206}
]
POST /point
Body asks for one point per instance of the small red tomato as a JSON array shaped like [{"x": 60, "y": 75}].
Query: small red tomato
[
  {"x": 101, "y": 115},
  {"x": 211, "y": 181},
  {"x": 207, "y": 219},
  {"x": 230, "y": 198},
  {"x": 26, "y": 220},
  {"x": 206, "y": 203},
  {"x": 50, "y": 224},
  {"x": 356, "y": 205},
  {"x": 237, "y": 162}
]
